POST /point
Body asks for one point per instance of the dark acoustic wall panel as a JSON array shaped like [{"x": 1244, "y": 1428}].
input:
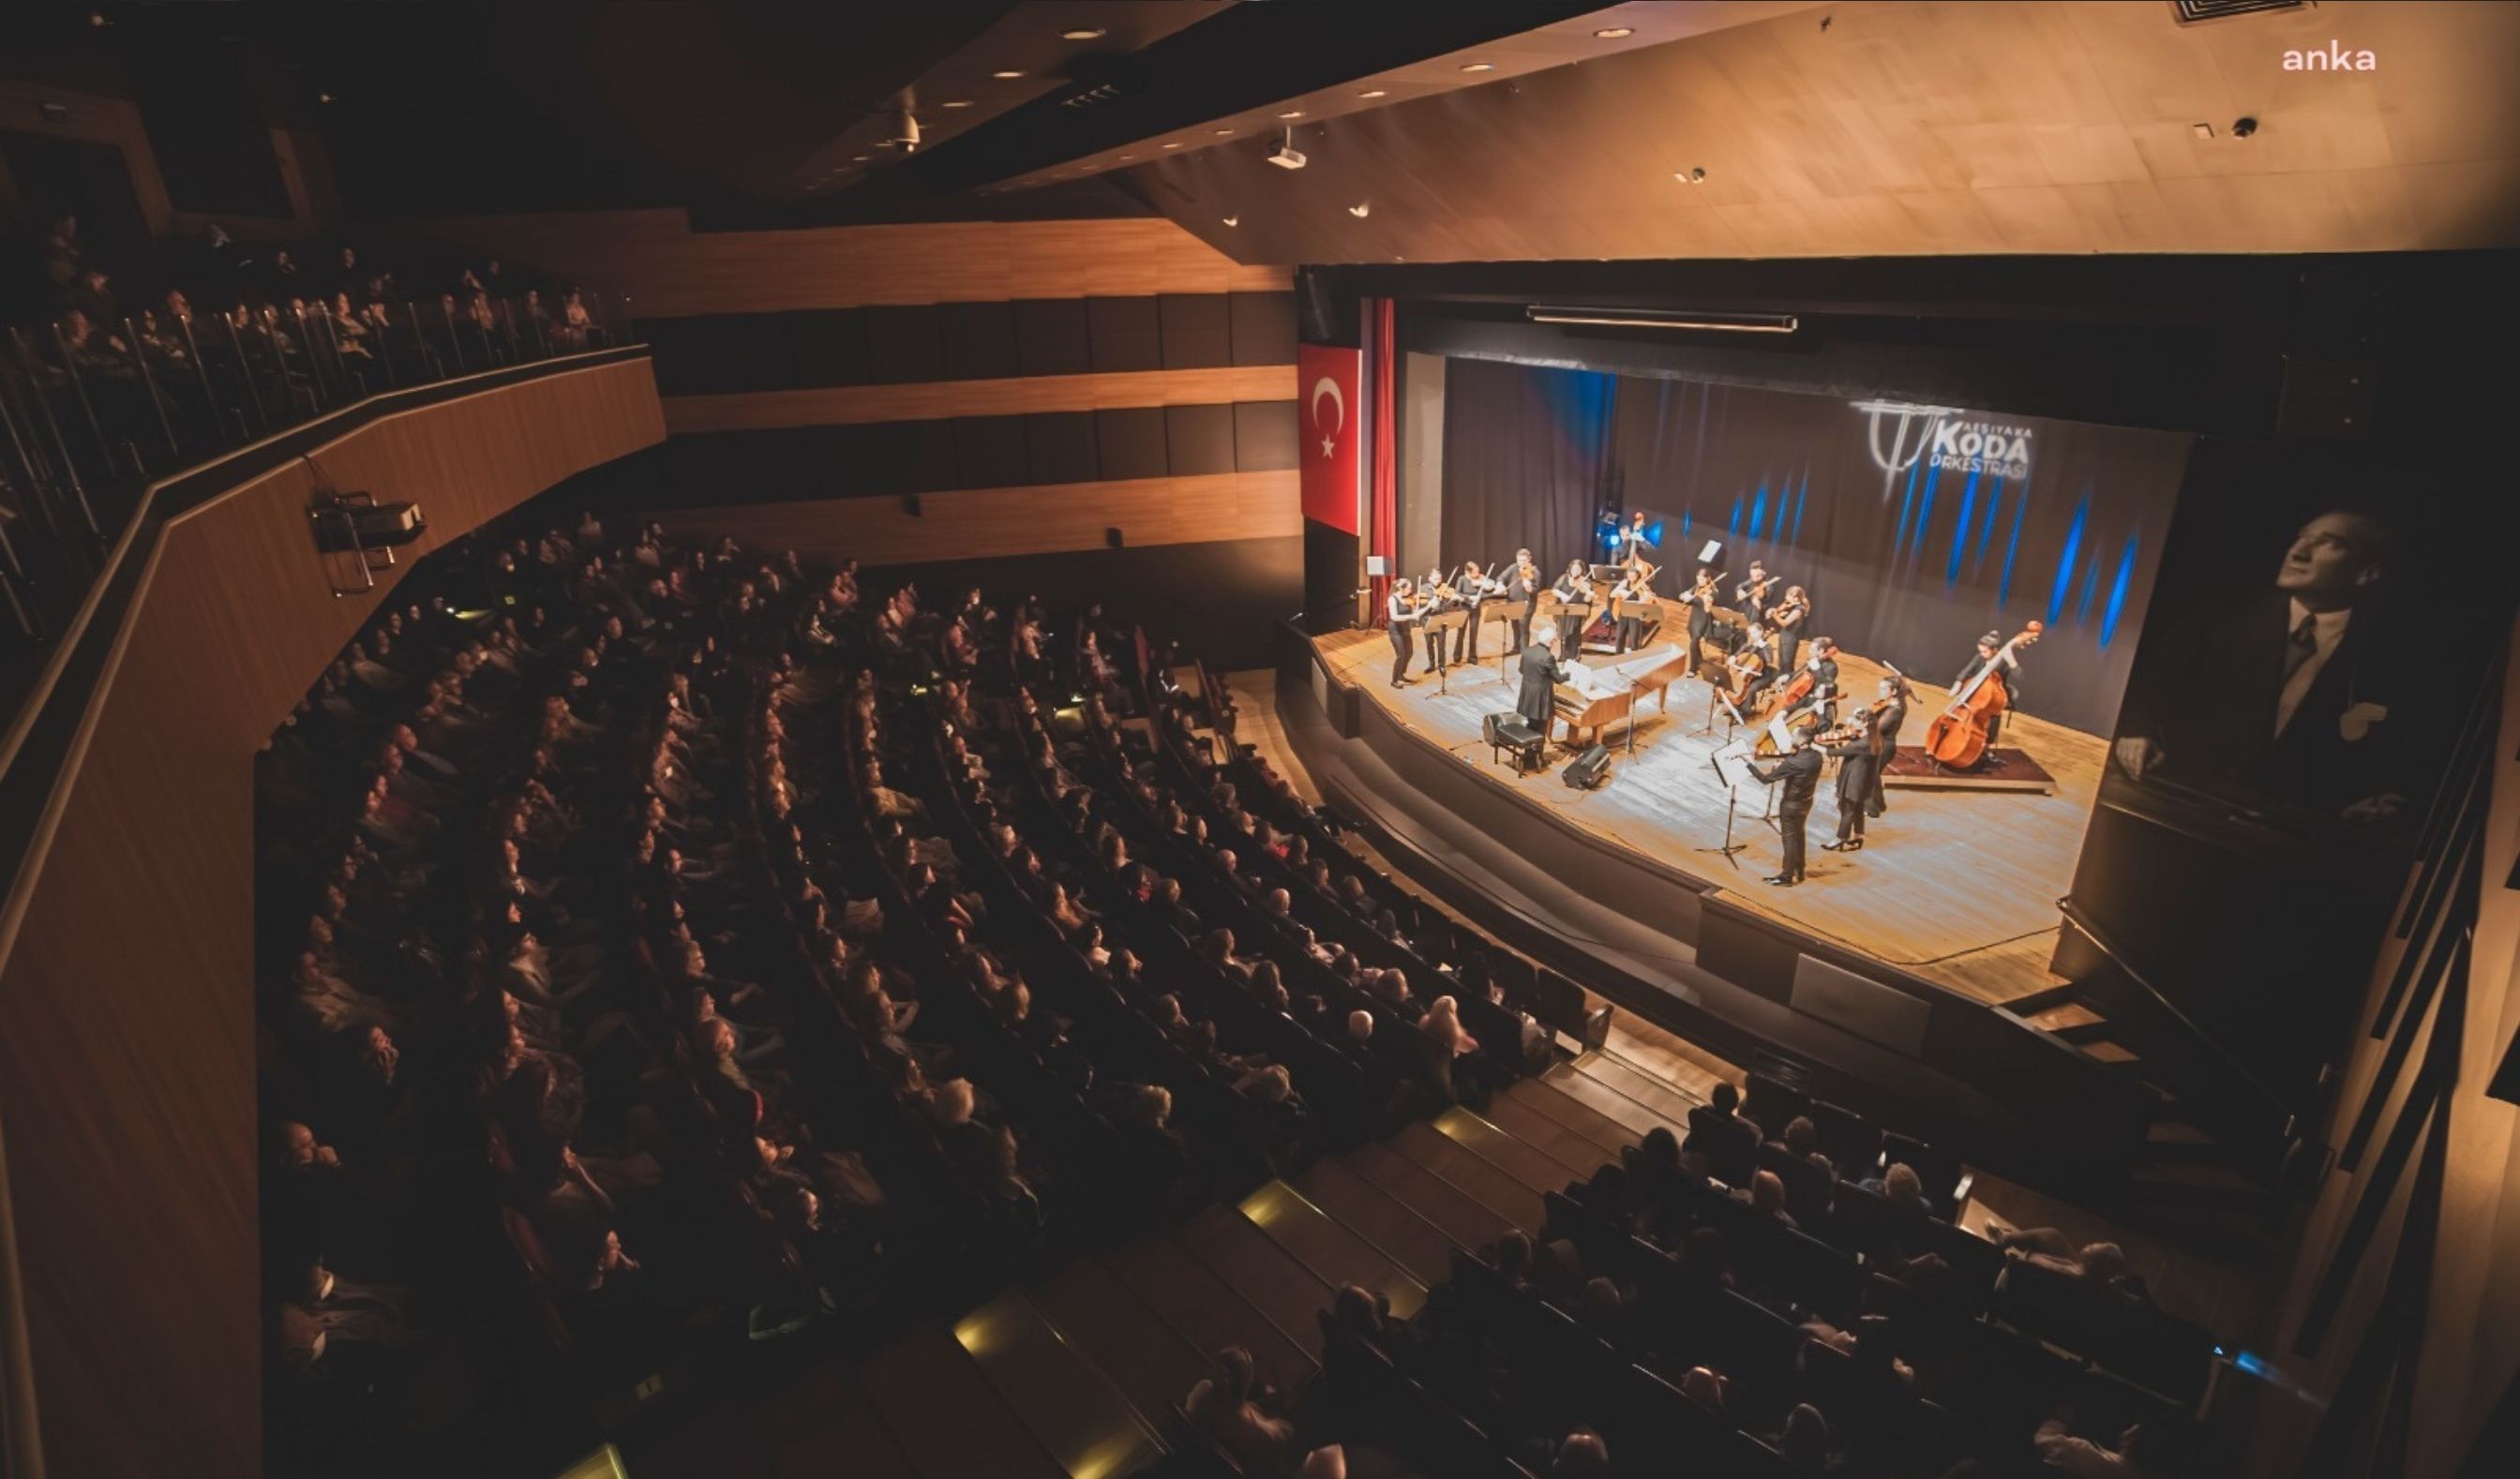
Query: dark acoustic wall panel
[
  {"x": 725, "y": 351},
  {"x": 1264, "y": 436},
  {"x": 1198, "y": 439},
  {"x": 1198, "y": 331},
  {"x": 1127, "y": 333},
  {"x": 989, "y": 450},
  {"x": 905, "y": 344},
  {"x": 827, "y": 346},
  {"x": 1131, "y": 442},
  {"x": 1060, "y": 447},
  {"x": 1051, "y": 336},
  {"x": 979, "y": 341},
  {"x": 885, "y": 459},
  {"x": 1264, "y": 328}
]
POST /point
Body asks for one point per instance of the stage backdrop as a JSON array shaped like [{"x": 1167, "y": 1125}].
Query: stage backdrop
[
  {"x": 1916, "y": 528},
  {"x": 1525, "y": 460}
]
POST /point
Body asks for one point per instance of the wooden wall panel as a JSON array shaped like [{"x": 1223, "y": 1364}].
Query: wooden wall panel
[
  {"x": 667, "y": 269},
  {"x": 852, "y": 405},
  {"x": 993, "y": 523},
  {"x": 127, "y": 1052}
]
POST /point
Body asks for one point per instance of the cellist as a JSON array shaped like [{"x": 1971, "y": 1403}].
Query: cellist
[{"x": 1990, "y": 651}]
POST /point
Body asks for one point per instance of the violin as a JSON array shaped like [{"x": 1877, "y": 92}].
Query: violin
[
  {"x": 1957, "y": 738},
  {"x": 1754, "y": 592}
]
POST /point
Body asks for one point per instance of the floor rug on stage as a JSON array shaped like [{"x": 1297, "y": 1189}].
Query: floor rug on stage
[{"x": 2003, "y": 769}]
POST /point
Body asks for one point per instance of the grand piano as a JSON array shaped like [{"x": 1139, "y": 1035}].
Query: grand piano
[{"x": 1601, "y": 695}]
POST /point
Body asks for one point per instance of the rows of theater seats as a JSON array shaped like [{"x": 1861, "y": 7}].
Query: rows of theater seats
[
  {"x": 672, "y": 957},
  {"x": 621, "y": 1014},
  {"x": 116, "y": 371}
]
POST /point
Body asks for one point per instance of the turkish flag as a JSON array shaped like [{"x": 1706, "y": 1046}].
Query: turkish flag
[{"x": 1326, "y": 432}]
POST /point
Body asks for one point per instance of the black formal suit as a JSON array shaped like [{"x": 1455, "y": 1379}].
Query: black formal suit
[
  {"x": 1859, "y": 782},
  {"x": 1537, "y": 700},
  {"x": 2218, "y": 728},
  {"x": 1799, "y": 775},
  {"x": 1523, "y": 591},
  {"x": 1886, "y": 725}
]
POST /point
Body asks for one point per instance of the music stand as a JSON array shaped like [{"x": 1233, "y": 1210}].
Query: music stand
[
  {"x": 1496, "y": 611},
  {"x": 1731, "y": 796},
  {"x": 1731, "y": 716},
  {"x": 1437, "y": 627}
]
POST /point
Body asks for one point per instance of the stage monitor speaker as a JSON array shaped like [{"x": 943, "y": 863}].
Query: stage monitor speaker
[{"x": 1591, "y": 768}]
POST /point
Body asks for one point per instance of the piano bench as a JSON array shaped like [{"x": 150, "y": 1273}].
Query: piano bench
[{"x": 1509, "y": 733}]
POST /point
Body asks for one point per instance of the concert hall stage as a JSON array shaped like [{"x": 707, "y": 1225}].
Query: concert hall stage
[
  {"x": 1881, "y": 983},
  {"x": 1955, "y": 887}
]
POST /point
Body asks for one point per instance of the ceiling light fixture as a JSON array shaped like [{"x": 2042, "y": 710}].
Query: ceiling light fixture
[
  {"x": 1220, "y": 132},
  {"x": 1650, "y": 317},
  {"x": 1615, "y": 33},
  {"x": 955, "y": 103},
  {"x": 1082, "y": 33},
  {"x": 1292, "y": 112},
  {"x": 1688, "y": 176},
  {"x": 1006, "y": 74},
  {"x": 1174, "y": 145},
  {"x": 1375, "y": 92},
  {"x": 857, "y": 158},
  {"x": 1479, "y": 66},
  {"x": 1233, "y": 220},
  {"x": 1361, "y": 210}
]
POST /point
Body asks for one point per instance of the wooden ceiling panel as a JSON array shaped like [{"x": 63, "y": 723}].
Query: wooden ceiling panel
[{"x": 1914, "y": 127}]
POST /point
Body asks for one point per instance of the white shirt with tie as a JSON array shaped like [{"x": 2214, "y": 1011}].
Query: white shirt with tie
[{"x": 2327, "y": 629}]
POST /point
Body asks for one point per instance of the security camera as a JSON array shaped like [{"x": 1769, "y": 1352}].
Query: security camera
[{"x": 1286, "y": 156}]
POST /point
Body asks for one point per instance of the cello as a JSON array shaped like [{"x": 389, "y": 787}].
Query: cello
[{"x": 1957, "y": 738}]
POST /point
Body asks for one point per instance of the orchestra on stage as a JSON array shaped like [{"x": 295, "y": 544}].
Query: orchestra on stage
[{"x": 1751, "y": 640}]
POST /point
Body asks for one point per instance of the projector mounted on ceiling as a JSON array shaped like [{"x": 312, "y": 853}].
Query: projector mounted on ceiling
[{"x": 1286, "y": 156}]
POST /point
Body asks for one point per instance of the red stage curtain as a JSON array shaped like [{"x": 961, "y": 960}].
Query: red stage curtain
[{"x": 1382, "y": 354}]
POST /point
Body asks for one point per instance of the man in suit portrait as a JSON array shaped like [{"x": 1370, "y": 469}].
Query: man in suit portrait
[{"x": 2286, "y": 697}]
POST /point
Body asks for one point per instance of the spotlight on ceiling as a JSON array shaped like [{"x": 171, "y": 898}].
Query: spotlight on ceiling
[
  {"x": 1375, "y": 92},
  {"x": 1287, "y": 156},
  {"x": 1479, "y": 66},
  {"x": 1220, "y": 132},
  {"x": 1361, "y": 210},
  {"x": 1006, "y": 73},
  {"x": 955, "y": 103},
  {"x": 1174, "y": 145},
  {"x": 1081, "y": 33},
  {"x": 1614, "y": 33},
  {"x": 1233, "y": 220},
  {"x": 1292, "y": 112},
  {"x": 1689, "y": 176},
  {"x": 905, "y": 131}
]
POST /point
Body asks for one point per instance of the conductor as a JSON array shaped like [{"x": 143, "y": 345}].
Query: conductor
[{"x": 1537, "y": 701}]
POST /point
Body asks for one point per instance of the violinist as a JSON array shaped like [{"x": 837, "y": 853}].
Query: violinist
[
  {"x": 1702, "y": 600},
  {"x": 1522, "y": 587},
  {"x": 1857, "y": 744},
  {"x": 1477, "y": 588},
  {"x": 1752, "y": 593},
  {"x": 1573, "y": 589},
  {"x": 1403, "y": 609},
  {"x": 1785, "y": 621},
  {"x": 1635, "y": 586},
  {"x": 1436, "y": 595},
  {"x": 1889, "y": 711},
  {"x": 1799, "y": 770}
]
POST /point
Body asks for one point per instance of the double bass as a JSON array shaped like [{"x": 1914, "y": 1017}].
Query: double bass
[{"x": 1957, "y": 738}]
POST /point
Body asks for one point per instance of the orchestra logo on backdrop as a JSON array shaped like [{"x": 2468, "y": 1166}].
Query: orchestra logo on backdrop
[{"x": 1978, "y": 446}]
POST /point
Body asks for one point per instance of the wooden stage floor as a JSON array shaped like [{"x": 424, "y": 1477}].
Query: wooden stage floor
[{"x": 1957, "y": 887}]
